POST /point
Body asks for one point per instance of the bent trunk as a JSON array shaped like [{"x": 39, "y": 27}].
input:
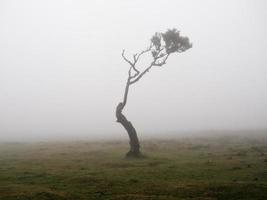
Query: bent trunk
[{"x": 134, "y": 142}]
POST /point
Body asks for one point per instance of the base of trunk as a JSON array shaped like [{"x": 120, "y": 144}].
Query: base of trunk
[{"x": 132, "y": 154}]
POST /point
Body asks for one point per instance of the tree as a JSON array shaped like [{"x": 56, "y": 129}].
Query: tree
[{"x": 162, "y": 45}]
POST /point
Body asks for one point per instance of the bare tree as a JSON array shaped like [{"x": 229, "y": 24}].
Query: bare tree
[{"x": 162, "y": 45}]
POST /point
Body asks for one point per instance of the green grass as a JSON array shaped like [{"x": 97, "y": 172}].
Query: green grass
[{"x": 201, "y": 168}]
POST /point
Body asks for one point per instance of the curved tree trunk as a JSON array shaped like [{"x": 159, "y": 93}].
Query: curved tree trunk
[{"x": 134, "y": 142}]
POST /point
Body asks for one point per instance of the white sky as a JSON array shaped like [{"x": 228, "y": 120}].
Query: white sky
[{"x": 61, "y": 71}]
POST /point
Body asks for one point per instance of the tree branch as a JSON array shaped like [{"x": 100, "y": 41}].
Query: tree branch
[
  {"x": 137, "y": 56},
  {"x": 123, "y": 56},
  {"x": 140, "y": 76},
  {"x": 163, "y": 62},
  {"x": 154, "y": 63}
]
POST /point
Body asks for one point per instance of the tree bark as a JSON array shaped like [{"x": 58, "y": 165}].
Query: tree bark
[{"x": 134, "y": 141}]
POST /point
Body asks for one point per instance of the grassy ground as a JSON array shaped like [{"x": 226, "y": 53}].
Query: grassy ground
[{"x": 204, "y": 168}]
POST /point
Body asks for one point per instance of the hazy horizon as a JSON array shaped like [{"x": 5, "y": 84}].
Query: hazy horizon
[{"x": 62, "y": 75}]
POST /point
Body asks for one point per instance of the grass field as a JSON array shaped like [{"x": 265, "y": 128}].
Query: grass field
[{"x": 189, "y": 168}]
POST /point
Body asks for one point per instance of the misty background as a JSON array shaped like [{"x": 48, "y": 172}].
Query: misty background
[{"x": 62, "y": 75}]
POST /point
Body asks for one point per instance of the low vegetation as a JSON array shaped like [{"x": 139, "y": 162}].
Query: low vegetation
[{"x": 189, "y": 168}]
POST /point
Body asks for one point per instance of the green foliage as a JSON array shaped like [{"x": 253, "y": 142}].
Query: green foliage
[
  {"x": 170, "y": 41},
  {"x": 156, "y": 40}
]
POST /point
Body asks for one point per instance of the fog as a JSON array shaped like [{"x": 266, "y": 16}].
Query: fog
[{"x": 62, "y": 74}]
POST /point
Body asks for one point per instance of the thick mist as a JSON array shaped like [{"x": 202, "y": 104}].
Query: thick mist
[{"x": 62, "y": 74}]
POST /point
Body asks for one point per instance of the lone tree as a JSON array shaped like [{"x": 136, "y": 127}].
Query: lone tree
[{"x": 162, "y": 45}]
